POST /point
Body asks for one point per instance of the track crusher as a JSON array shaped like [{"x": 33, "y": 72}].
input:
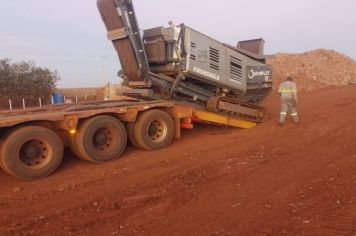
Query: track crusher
[{"x": 181, "y": 64}]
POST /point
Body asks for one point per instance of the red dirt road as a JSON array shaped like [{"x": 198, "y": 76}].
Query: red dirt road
[{"x": 269, "y": 180}]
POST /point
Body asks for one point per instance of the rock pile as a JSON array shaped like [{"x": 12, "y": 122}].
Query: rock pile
[{"x": 314, "y": 70}]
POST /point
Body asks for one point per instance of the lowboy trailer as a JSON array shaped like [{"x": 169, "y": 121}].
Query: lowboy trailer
[{"x": 33, "y": 140}]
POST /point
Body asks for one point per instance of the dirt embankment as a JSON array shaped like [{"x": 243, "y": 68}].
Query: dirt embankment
[
  {"x": 314, "y": 70},
  {"x": 266, "y": 181}
]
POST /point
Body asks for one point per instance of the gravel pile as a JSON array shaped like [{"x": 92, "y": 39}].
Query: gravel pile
[{"x": 314, "y": 70}]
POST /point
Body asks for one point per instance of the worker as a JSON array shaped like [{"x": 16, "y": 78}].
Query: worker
[
  {"x": 288, "y": 92},
  {"x": 176, "y": 34}
]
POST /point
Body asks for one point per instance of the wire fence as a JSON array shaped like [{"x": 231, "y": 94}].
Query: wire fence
[
  {"x": 7, "y": 104},
  {"x": 22, "y": 103}
]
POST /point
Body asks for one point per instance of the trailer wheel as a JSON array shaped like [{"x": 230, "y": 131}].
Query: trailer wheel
[
  {"x": 100, "y": 139},
  {"x": 154, "y": 129},
  {"x": 31, "y": 152},
  {"x": 130, "y": 134}
]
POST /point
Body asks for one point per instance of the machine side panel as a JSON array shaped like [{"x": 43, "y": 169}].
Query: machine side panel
[{"x": 210, "y": 61}]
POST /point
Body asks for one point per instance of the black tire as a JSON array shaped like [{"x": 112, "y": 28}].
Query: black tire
[
  {"x": 100, "y": 139},
  {"x": 154, "y": 129},
  {"x": 130, "y": 134},
  {"x": 1, "y": 165},
  {"x": 31, "y": 152},
  {"x": 73, "y": 146}
]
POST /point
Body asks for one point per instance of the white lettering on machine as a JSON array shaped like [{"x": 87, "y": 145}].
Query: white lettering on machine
[{"x": 206, "y": 73}]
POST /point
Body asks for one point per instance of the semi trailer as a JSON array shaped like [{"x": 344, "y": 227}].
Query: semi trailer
[{"x": 175, "y": 76}]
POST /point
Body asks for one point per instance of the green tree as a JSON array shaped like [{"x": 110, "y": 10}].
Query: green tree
[{"x": 26, "y": 80}]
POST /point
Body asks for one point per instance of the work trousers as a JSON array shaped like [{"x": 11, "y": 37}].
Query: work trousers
[{"x": 289, "y": 106}]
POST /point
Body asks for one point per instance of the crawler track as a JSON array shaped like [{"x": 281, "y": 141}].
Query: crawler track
[{"x": 238, "y": 109}]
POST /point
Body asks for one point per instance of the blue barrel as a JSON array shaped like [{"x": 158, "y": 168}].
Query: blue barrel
[{"x": 58, "y": 98}]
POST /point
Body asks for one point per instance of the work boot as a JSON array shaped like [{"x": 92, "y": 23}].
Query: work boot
[
  {"x": 282, "y": 118},
  {"x": 295, "y": 120}
]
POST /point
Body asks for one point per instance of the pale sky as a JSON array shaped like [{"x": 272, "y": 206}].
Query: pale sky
[{"x": 69, "y": 36}]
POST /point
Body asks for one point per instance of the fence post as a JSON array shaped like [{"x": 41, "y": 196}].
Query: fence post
[
  {"x": 40, "y": 101},
  {"x": 52, "y": 99},
  {"x": 23, "y": 104},
  {"x": 10, "y": 104},
  {"x": 76, "y": 98}
]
